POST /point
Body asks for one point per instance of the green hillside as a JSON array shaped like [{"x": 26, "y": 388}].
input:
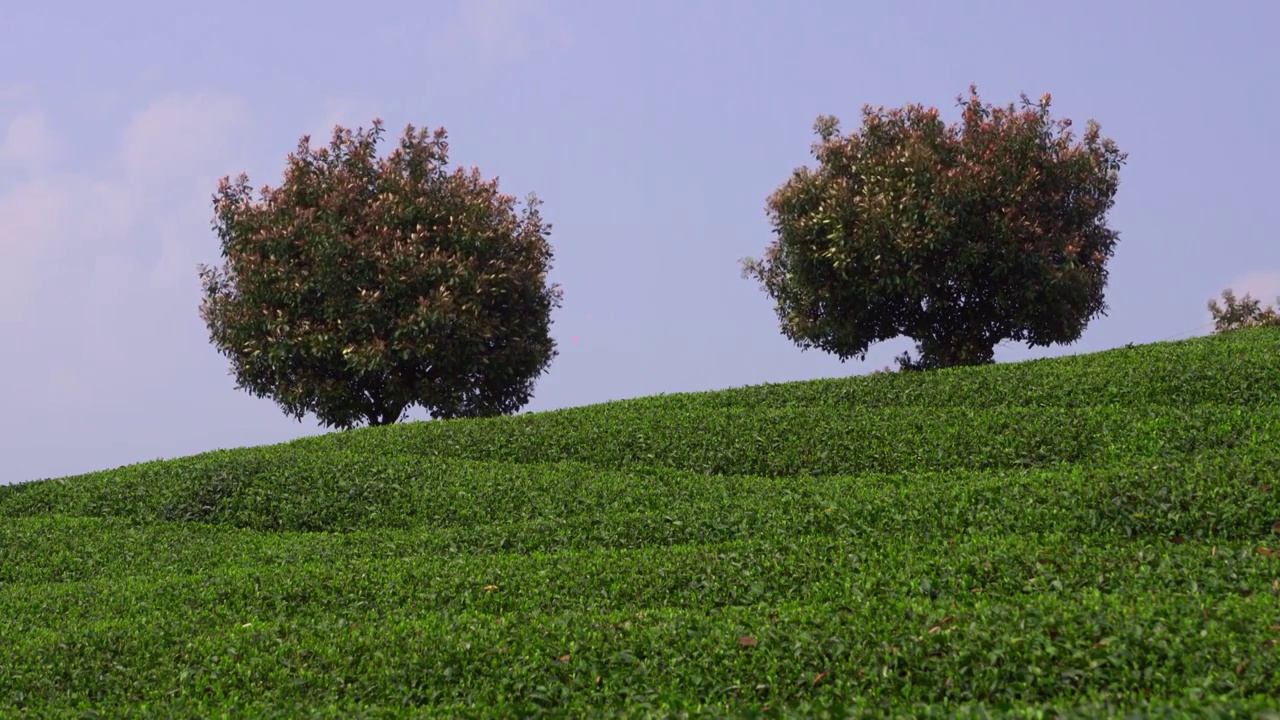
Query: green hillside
[{"x": 1091, "y": 533}]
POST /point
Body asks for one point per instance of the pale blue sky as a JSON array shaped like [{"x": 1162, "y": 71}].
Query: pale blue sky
[{"x": 653, "y": 131}]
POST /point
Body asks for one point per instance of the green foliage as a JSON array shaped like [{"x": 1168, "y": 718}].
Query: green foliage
[
  {"x": 362, "y": 287},
  {"x": 1238, "y": 314},
  {"x": 958, "y": 237},
  {"x": 1091, "y": 536}
]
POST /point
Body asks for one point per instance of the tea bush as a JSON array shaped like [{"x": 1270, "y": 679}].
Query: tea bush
[{"x": 1093, "y": 535}]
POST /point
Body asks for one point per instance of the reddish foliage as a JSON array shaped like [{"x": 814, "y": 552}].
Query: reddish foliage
[
  {"x": 958, "y": 236},
  {"x": 363, "y": 286}
]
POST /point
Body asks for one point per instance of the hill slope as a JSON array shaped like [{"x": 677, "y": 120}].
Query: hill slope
[{"x": 1060, "y": 533}]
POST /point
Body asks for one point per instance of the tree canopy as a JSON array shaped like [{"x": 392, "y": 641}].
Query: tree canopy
[
  {"x": 958, "y": 236},
  {"x": 1242, "y": 313},
  {"x": 362, "y": 286}
]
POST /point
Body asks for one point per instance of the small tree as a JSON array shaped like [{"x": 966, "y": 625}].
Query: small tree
[
  {"x": 958, "y": 237},
  {"x": 362, "y": 287},
  {"x": 1238, "y": 314}
]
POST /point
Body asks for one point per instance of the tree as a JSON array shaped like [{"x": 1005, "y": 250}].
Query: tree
[
  {"x": 1238, "y": 314},
  {"x": 958, "y": 237},
  {"x": 361, "y": 287}
]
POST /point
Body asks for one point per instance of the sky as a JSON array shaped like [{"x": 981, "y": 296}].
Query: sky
[{"x": 653, "y": 132}]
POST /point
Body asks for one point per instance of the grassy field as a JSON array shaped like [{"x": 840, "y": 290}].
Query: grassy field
[{"x": 1092, "y": 533}]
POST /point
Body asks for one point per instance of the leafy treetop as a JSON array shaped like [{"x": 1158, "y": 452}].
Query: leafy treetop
[
  {"x": 363, "y": 286},
  {"x": 958, "y": 236}
]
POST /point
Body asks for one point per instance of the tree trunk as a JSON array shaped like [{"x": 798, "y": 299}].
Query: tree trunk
[
  {"x": 385, "y": 414},
  {"x": 950, "y": 351}
]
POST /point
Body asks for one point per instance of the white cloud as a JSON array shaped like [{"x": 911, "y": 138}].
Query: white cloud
[
  {"x": 176, "y": 266},
  {"x": 51, "y": 223},
  {"x": 98, "y": 286},
  {"x": 109, "y": 209},
  {"x": 28, "y": 143},
  {"x": 180, "y": 138},
  {"x": 33, "y": 222},
  {"x": 89, "y": 231},
  {"x": 172, "y": 152},
  {"x": 1264, "y": 286}
]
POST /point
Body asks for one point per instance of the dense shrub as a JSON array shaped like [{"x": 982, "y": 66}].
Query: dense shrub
[
  {"x": 958, "y": 236},
  {"x": 1090, "y": 536},
  {"x": 362, "y": 287}
]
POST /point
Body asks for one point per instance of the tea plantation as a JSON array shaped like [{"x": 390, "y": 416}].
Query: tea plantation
[{"x": 1095, "y": 535}]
